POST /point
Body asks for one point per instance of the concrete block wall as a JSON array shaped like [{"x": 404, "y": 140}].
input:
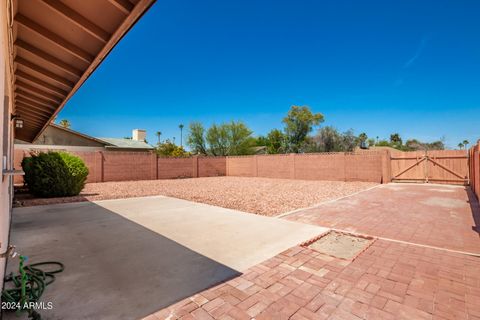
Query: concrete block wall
[
  {"x": 211, "y": 166},
  {"x": 275, "y": 166},
  {"x": 134, "y": 166},
  {"x": 365, "y": 167},
  {"x": 172, "y": 168},
  {"x": 127, "y": 166},
  {"x": 326, "y": 166},
  {"x": 372, "y": 166}
]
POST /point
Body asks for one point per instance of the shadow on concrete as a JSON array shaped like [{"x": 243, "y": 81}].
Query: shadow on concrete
[
  {"x": 114, "y": 268},
  {"x": 475, "y": 207}
]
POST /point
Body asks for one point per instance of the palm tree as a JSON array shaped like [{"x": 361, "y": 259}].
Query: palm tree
[
  {"x": 181, "y": 134},
  {"x": 395, "y": 138},
  {"x": 159, "y": 134},
  {"x": 465, "y": 143},
  {"x": 460, "y": 145},
  {"x": 64, "y": 123},
  {"x": 363, "y": 137}
]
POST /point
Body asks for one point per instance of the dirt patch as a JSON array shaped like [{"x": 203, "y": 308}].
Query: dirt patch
[
  {"x": 340, "y": 245},
  {"x": 256, "y": 195}
]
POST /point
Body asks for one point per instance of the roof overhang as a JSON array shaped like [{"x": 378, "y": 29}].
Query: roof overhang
[{"x": 54, "y": 46}]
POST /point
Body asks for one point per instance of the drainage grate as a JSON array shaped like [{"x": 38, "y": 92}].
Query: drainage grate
[{"x": 340, "y": 245}]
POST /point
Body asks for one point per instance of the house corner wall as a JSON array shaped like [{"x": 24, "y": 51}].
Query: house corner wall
[{"x": 6, "y": 142}]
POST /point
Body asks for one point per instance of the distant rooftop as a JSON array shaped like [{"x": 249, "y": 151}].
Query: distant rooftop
[{"x": 125, "y": 143}]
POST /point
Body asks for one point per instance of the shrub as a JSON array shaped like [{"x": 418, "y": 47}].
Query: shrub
[{"x": 54, "y": 174}]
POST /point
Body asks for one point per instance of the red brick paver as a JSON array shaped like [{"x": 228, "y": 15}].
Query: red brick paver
[
  {"x": 388, "y": 281},
  {"x": 435, "y": 215}
]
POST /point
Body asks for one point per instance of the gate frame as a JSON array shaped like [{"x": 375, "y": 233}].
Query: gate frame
[{"x": 426, "y": 158}]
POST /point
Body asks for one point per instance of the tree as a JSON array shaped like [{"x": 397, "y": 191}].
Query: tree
[
  {"x": 328, "y": 139},
  {"x": 436, "y": 145},
  {"x": 465, "y": 143},
  {"x": 170, "y": 149},
  {"x": 395, "y": 139},
  {"x": 383, "y": 143},
  {"x": 362, "y": 140},
  {"x": 240, "y": 139},
  {"x": 158, "y": 134},
  {"x": 348, "y": 142},
  {"x": 233, "y": 138},
  {"x": 217, "y": 139},
  {"x": 371, "y": 142},
  {"x": 414, "y": 144},
  {"x": 181, "y": 134},
  {"x": 65, "y": 123},
  {"x": 362, "y": 137},
  {"x": 261, "y": 141},
  {"x": 460, "y": 145},
  {"x": 196, "y": 138},
  {"x": 299, "y": 122},
  {"x": 275, "y": 142}
]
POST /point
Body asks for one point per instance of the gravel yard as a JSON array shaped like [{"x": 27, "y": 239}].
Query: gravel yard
[{"x": 256, "y": 195}]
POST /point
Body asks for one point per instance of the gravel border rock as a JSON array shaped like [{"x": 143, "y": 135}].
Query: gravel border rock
[{"x": 263, "y": 196}]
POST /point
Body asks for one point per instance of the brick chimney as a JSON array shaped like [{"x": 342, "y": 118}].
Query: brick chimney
[{"x": 139, "y": 134}]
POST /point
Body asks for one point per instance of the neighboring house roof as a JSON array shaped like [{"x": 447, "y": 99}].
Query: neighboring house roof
[
  {"x": 125, "y": 143},
  {"x": 377, "y": 148},
  {"x": 107, "y": 143},
  {"x": 259, "y": 150},
  {"x": 76, "y": 133}
]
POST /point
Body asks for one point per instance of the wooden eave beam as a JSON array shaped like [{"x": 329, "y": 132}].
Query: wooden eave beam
[
  {"x": 123, "y": 5},
  {"x": 28, "y": 115},
  {"x": 43, "y": 71},
  {"x": 82, "y": 22},
  {"x": 54, "y": 38},
  {"x": 34, "y": 99},
  {"x": 40, "y": 82},
  {"x": 37, "y": 91},
  {"x": 30, "y": 118},
  {"x": 34, "y": 104},
  {"x": 45, "y": 112},
  {"x": 49, "y": 58},
  {"x": 137, "y": 11}
]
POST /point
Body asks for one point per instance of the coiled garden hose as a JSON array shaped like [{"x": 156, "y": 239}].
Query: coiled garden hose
[{"x": 29, "y": 285}]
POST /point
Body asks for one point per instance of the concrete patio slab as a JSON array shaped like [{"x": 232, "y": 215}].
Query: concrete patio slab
[
  {"x": 125, "y": 259},
  {"x": 234, "y": 238},
  {"x": 442, "y": 216}
]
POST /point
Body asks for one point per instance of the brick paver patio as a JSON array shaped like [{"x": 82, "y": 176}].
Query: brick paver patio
[
  {"x": 435, "y": 215},
  {"x": 388, "y": 281},
  {"x": 419, "y": 277}
]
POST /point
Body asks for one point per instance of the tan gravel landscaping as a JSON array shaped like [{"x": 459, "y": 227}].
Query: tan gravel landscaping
[{"x": 256, "y": 195}]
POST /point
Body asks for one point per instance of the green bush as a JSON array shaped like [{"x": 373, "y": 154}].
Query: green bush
[{"x": 54, "y": 174}]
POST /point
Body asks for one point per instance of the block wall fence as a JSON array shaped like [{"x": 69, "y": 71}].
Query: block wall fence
[
  {"x": 474, "y": 168},
  {"x": 364, "y": 166},
  {"x": 131, "y": 166}
]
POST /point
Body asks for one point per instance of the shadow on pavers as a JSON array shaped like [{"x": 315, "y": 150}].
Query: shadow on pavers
[
  {"x": 114, "y": 268},
  {"x": 475, "y": 207}
]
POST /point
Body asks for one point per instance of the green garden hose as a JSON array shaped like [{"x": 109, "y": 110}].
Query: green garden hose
[{"x": 29, "y": 285}]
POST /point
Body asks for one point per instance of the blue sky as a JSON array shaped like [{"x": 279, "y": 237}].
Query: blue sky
[{"x": 378, "y": 67}]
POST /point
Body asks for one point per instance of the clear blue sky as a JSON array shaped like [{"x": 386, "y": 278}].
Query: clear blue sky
[{"x": 383, "y": 66}]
